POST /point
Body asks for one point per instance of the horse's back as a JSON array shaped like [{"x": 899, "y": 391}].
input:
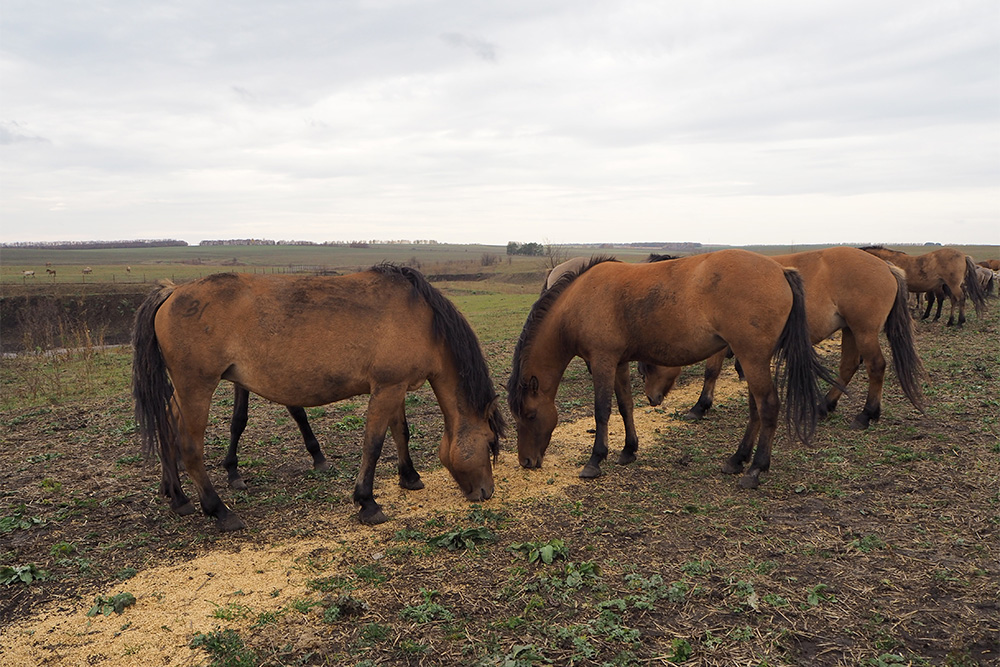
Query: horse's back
[
  {"x": 687, "y": 306},
  {"x": 305, "y": 340}
]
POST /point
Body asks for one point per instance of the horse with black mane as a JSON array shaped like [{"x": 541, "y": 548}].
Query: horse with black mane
[
  {"x": 946, "y": 268},
  {"x": 307, "y": 341},
  {"x": 669, "y": 313},
  {"x": 846, "y": 290}
]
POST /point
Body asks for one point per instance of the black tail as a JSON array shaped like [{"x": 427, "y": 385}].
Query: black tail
[
  {"x": 797, "y": 366},
  {"x": 451, "y": 325},
  {"x": 899, "y": 331},
  {"x": 151, "y": 386},
  {"x": 973, "y": 290}
]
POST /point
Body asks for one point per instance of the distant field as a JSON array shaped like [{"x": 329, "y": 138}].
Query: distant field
[{"x": 141, "y": 265}]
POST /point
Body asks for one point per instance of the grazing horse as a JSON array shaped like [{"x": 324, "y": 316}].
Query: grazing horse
[
  {"x": 946, "y": 268},
  {"x": 846, "y": 290},
  {"x": 669, "y": 313},
  {"x": 993, "y": 264},
  {"x": 408, "y": 476},
  {"x": 987, "y": 280},
  {"x": 306, "y": 341},
  {"x": 28, "y": 274}
]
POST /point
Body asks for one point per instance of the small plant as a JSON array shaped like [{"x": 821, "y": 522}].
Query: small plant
[
  {"x": 868, "y": 543},
  {"x": 116, "y": 603},
  {"x": 26, "y": 574},
  {"x": 818, "y": 594},
  {"x": 345, "y": 605},
  {"x": 524, "y": 655},
  {"x": 427, "y": 611},
  {"x": 462, "y": 538},
  {"x": 545, "y": 552},
  {"x": 18, "y": 521},
  {"x": 371, "y": 574},
  {"x": 231, "y": 612},
  {"x": 226, "y": 648},
  {"x": 682, "y": 651}
]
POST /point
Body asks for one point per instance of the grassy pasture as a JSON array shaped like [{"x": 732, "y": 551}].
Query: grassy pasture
[{"x": 870, "y": 548}]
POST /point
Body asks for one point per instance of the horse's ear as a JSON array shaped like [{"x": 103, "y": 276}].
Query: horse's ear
[{"x": 533, "y": 385}]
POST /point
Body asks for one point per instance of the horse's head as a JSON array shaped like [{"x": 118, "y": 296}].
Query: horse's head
[
  {"x": 536, "y": 419},
  {"x": 657, "y": 380},
  {"x": 467, "y": 453}
]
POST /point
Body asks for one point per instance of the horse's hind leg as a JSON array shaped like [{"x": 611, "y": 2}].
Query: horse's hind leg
[
  {"x": 400, "y": 429},
  {"x": 735, "y": 463},
  {"x": 871, "y": 352},
  {"x": 766, "y": 397},
  {"x": 850, "y": 361},
  {"x": 195, "y": 403},
  {"x": 241, "y": 406},
  {"x": 312, "y": 444},
  {"x": 170, "y": 482},
  {"x": 623, "y": 394}
]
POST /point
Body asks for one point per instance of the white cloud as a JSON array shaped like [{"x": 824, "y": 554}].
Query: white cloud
[{"x": 569, "y": 121}]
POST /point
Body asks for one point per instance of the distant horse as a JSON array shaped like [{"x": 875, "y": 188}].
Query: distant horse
[
  {"x": 993, "y": 264},
  {"x": 306, "y": 341},
  {"x": 51, "y": 272},
  {"x": 987, "y": 280},
  {"x": 946, "y": 268},
  {"x": 28, "y": 274},
  {"x": 408, "y": 476},
  {"x": 846, "y": 290},
  {"x": 669, "y": 313},
  {"x": 88, "y": 270}
]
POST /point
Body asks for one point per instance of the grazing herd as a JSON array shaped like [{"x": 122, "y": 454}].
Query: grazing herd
[{"x": 308, "y": 341}]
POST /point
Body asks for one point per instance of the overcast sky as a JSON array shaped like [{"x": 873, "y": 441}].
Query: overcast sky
[{"x": 726, "y": 122}]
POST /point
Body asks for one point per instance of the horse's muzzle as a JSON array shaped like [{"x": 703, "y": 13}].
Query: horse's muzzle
[{"x": 528, "y": 462}]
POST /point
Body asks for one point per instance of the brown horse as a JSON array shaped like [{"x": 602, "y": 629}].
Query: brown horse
[
  {"x": 669, "y": 313},
  {"x": 946, "y": 268},
  {"x": 306, "y": 341},
  {"x": 993, "y": 264},
  {"x": 846, "y": 290},
  {"x": 408, "y": 476}
]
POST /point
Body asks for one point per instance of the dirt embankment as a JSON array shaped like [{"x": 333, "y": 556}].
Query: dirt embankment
[{"x": 53, "y": 320}]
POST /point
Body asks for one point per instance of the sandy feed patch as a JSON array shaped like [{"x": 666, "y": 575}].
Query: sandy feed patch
[{"x": 174, "y": 603}]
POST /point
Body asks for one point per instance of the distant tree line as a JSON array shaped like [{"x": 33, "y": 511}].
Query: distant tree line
[
  {"x": 96, "y": 245},
  {"x": 352, "y": 244},
  {"x": 529, "y": 249}
]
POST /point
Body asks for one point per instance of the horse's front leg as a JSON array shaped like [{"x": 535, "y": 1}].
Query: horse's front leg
[
  {"x": 400, "y": 429},
  {"x": 312, "y": 444},
  {"x": 713, "y": 368},
  {"x": 382, "y": 406},
  {"x": 623, "y": 395},
  {"x": 603, "y": 373}
]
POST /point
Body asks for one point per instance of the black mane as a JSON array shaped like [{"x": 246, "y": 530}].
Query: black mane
[
  {"x": 515, "y": 385},
  {"x": 653, "y": 257},
  {"x": 451, "y": 326}
]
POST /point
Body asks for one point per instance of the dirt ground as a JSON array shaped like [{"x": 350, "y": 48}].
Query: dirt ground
[{"x": 875, "y": 548}]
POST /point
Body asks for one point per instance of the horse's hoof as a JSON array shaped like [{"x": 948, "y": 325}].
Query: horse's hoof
[
  {"x": 322, "y": 466},
  {"x": 732, "y": 468},
  {"x": 625, "y": 458},
  {"x": 372, "y": 517},
  {"x": 590, "y": 472},
  {"x": 230, "y": 523},
  {"x": 185, "y": 509},
  {"x": 749, "y": 481},
  {"x": 860, "y": 423},
  {"x": 412, "y": 485},
  {"x": 238, "y": 484}
]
